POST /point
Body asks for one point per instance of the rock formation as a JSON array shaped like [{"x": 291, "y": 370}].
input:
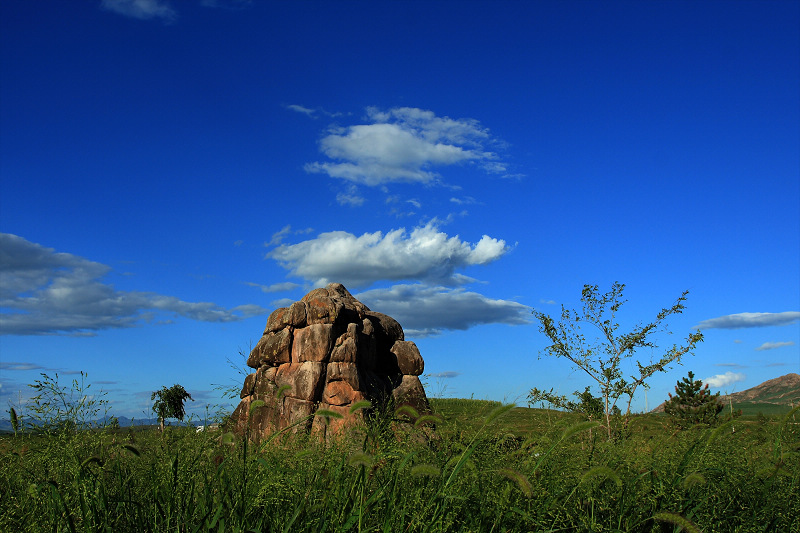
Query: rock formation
[{"x": 327, "y": 351}]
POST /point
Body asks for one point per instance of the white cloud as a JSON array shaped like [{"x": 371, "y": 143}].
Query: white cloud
[
  {"x": 351, "y": 197},
  {"x": 750, "y": 320},
  {"x": 773, "y": 345},
  {"x": 300, "y": 109},
  {"x": 141, "y": 9},
  {"x": 445, "y": 375},
  {"x": 275, "y": 287},
  {"x": 424, "y": 254},
  {"x": 723, "y": 380},
  {"x": 427, "y": 310},
  {"x": 11, "y": 365},
  {"x": 282, "y": 302},
  {"x": 279, "y": 235},
  {"x": 59, "y": 293},
  {"x": 227, "y": 4},
  {"x": 311, "y": 112},
  {"x": 402, "y": 145},
  {"x": 467, "y": 200}
]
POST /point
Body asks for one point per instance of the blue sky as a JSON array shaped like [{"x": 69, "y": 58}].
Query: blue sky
[{"x": 171, "y": 172}]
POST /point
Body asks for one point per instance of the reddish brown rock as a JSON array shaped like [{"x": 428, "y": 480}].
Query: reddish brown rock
[
  {"x": 304, "y": 380},
  {"x": 321, "y": 308},
  {"x": 326, "y": 351},
  {"x": 294, "y": 316},
  {"x": 329, "y": 426},
  {"x": 387, "y": 330},
  {"x": 340, "y": 393},
  {"x": 249, "y": 385},
  {"x": 409, "y": 360},
  {"x": 346, "y": 348},
  {"x": 273, "y": 349},
  {"x": 312, "y": 343},
  {"x": 297, "y": 413},
  {"x": 411, "y": 392},
  {"x": 347, "y": 372}
]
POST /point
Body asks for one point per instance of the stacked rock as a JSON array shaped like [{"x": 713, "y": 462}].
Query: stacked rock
[{"x": 327, "y": 351}]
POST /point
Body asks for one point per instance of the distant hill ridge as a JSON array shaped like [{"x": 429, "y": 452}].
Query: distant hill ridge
[{"x": 784, "y": 390}]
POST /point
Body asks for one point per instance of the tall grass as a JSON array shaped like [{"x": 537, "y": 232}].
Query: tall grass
[{"x": 473, "y": 466}]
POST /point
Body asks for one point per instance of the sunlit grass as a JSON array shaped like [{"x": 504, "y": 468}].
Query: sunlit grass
[{"x": 471, "y": 466}]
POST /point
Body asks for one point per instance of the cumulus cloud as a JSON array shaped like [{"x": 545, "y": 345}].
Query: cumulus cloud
[
  {"x": 403, "y": 145},
  {"x": 429, "y": 310},
  {"x": 773, "y": 345},
  {"x": 750, "y": 320},
  {"x": 141, "y": 9},
  {"x": 59, "y": 293},
  {"x": 723, "y": 380},
  {"x": 424, "y": 254}
]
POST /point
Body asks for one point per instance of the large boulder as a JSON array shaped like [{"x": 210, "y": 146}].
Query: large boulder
[{"x": 327, "y": 351}]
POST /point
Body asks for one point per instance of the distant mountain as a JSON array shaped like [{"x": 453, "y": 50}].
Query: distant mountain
[
  {"x": 784, "y": 390},
  {"x": 774, "y": 393}
]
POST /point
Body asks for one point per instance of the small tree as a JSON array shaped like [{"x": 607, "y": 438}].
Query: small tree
[
  {"x": 693, "y": 403},
  {"x": 587, "y": 404},
  {"x": 602, "y": 358},
  {"x": 169, "y": 403}
]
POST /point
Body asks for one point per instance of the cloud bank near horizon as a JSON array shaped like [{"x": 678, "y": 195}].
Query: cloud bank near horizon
[{"x": 54, "y": 293}]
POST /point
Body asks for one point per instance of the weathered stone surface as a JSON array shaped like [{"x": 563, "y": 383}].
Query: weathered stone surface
[
  {"x": 409, "y": 360},
  {"x": 410, "y": 392},
  {"x": 346, "y": 348},
  {"x": 312, "y": 343},
  {"x": 294, "y": 316},
  {"x": 272, "y": 349},
  {"x": 387, "y": 330},
  {"x": 297, "y": 411},
  {"x": 321, "y": 308},
  {"x": 367, "y": 345},
  {"x": 249, "y": 385},
  {"x": 265, "y": 387},
  {"x": 327, "y": 351},
  {"x": 304, "y": 379},
  {"x": 325, "y": 426},
  {"x": 277, "y": 320},
  {"x": 347, "y": 372},
  {"x": 340, "y": 393}
]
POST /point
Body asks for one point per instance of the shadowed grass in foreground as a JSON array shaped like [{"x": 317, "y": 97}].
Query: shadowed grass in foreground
[{"x": 485, "y": 467}]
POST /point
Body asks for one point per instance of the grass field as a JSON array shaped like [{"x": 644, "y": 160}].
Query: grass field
[{"x": 483, "y": 467}]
